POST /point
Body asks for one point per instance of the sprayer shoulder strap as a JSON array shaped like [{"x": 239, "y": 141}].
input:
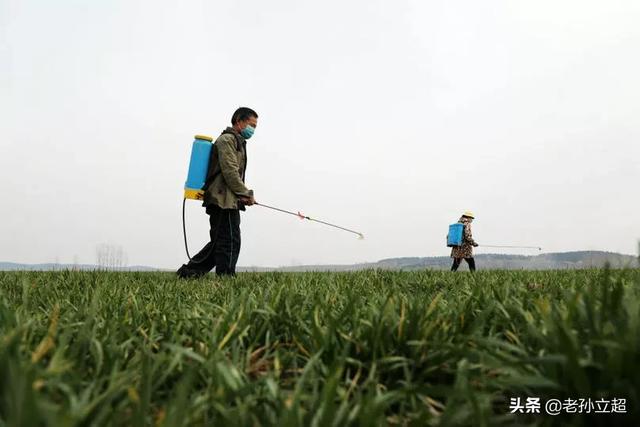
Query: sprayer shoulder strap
[
  {"x": 238, "y": 143},
  {"x": 239, "y": 147}
]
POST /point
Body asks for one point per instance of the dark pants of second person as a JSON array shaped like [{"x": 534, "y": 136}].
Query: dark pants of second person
[
  {"x": 223, "y": 249},
  {"x": 457, "y": 261}
]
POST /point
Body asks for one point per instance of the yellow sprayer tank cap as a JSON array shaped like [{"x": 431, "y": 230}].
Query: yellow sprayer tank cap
[{"x": 204, "y": 137}]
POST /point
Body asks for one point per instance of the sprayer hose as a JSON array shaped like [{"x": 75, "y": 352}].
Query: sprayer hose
[{"x": 184, "y": 229}]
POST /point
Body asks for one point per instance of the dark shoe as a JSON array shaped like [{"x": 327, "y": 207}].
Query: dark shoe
[{"x": 185, "y": 273}]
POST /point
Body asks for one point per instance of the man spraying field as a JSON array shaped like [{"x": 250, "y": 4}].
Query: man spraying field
[{"x": 225, "y": 195}]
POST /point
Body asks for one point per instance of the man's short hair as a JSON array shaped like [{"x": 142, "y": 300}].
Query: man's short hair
[{"x": 243, "y": 113}]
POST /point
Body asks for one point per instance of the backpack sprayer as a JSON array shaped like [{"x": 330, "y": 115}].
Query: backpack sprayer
[
  {"x": 198, "y": 168},
  {"x": 197, "y": 175}
]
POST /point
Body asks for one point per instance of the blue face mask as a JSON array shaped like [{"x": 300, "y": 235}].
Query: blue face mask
[{"x": 247, "y": 132}]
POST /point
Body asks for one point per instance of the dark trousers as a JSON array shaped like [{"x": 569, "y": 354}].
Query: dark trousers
[
  {"x": 223, "y": 249},
  {"x": 470, "y": 261}
]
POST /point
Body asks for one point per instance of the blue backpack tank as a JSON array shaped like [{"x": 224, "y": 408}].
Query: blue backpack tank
[
  {"x": 198, "y": 167},
  {"x": 455, "y": 236}
]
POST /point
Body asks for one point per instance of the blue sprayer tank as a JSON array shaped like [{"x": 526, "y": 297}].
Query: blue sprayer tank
[
  {"x": 198, "y": 167},
  {"x": 454, "y": 238}
]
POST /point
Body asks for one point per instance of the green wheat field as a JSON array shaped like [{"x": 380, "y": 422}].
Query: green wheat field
[{"x": 319, "y": 349}]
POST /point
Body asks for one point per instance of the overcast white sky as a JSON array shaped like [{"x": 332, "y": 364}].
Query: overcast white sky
[{"x": 389, "y": 117}]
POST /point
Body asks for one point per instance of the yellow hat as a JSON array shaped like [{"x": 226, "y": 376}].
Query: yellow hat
[{"x": 468, "y": 214}]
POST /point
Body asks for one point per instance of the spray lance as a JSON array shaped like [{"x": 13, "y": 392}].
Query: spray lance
[
  {"x": 197, "y": 175},
  {"x": 303, "y": 217},
  {"x": 511, "y": 247},
  {"x": 455, "y": 237}
]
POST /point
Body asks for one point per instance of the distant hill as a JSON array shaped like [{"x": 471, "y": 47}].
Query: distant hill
[{"x": 550, "y": 261}]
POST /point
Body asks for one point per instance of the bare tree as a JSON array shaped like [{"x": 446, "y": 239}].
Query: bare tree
[{"x": 110, "y": 257}]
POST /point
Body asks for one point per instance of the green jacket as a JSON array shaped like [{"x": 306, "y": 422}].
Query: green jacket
[{"x": 227, "y": 167}]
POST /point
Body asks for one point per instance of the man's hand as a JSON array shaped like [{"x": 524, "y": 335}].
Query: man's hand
[{"x": 247, "y": 201}]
